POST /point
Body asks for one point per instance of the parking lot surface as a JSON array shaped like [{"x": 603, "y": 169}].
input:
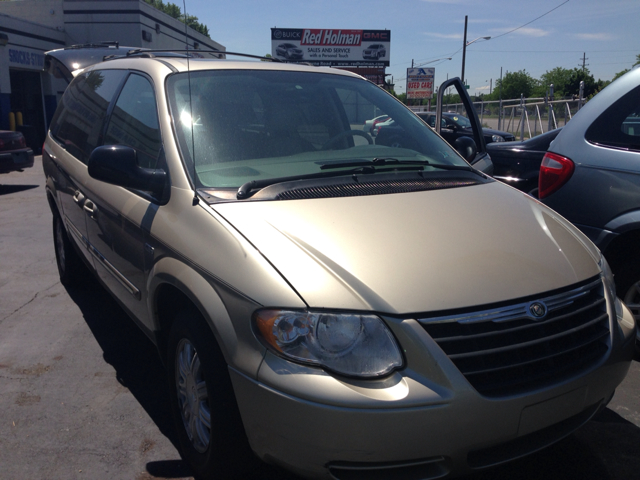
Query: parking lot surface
[{"x": 82, "y": 390}]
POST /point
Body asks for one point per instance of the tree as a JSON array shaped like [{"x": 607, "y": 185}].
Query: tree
[
  {"x": 559, "y": 78},
  {"x": 582, "y": 75},
  {"x": 514, "y": 84},
  {"x": 174, "y": 10},
  {"x": 619, "y": 74}
]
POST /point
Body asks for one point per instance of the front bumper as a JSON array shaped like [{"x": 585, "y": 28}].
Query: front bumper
[
  {"x": 16, "y": 160},
  {"x": 410, "y": 425}
]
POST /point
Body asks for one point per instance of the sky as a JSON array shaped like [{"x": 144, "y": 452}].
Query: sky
[{"x": 607, "y": 33}]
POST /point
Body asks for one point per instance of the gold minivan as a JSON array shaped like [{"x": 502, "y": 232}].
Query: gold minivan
[{"x": 341, "y": 305}]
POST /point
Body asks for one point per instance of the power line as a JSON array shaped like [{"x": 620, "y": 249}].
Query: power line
[{"x": 528, "y": 23}]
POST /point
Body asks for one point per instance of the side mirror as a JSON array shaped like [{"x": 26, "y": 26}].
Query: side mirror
[
  {"x": 466, "y": 147},
  {"x": 118, "y": 165}
]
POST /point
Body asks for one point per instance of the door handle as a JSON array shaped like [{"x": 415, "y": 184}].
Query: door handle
[
  {"x": 78, "y": 197},
  {"x": 90, "y": 208}
]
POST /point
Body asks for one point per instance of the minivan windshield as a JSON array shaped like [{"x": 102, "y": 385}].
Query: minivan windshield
[{"x": 237, "y": 126}]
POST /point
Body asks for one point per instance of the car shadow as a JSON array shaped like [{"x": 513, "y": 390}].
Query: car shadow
[
  {"x": 603, "y": 449},
  {"x": 9, "y": 189},
  {"x": 138, "y": 368}
]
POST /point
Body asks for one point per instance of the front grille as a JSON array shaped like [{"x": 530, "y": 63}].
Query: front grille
[
  {"x": 374, "y": 188},
  {"x": 507, "y": 350}
]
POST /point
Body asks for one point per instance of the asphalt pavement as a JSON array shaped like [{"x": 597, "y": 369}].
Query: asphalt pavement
[{"x": 82, "y": 390}]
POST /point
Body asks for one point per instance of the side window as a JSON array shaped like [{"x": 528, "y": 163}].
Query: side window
[
  {"x": 78, "y": 121},
  {"x": 619, "y": 125},
  {"x": 134, "y": 121}
]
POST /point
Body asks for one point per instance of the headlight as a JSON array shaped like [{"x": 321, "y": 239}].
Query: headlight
[
  {"x": 609, "y": 284},
  {"x": 497, "y": 138},
  {"x": 345, "y": 343}
]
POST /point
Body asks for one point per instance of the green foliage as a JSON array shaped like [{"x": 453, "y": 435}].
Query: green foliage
[
  {"x": 558, "y": 77},
  {"x": 174, "y": 10},
  {"x": 514, "y": 84},
  {"x": 619, "y": 74}
]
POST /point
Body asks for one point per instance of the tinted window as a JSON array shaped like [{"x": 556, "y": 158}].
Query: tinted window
[
  {"x": 619, "y": 125},
  {"x": 134, "y": 121},
  {"x": 79, "y": 119}
]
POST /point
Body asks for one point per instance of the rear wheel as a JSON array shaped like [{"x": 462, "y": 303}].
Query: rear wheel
[
  {"x": 71, "y": 269},
  {"x": 205, "y": 411}
]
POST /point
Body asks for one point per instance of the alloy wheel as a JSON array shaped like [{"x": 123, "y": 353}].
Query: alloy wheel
[{"x": 193, "y": 397}]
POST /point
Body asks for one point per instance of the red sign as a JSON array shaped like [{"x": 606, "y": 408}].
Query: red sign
[{"x": 331, "y": 37}]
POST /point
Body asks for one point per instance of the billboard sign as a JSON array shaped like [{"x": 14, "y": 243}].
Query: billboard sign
[
  {"x": 420, "y": 82},
  {"x": 332, "y": 48}
]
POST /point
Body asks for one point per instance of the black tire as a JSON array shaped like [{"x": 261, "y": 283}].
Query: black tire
[
  {"x": 222, "y": 450},
  {"x": 625, "y": 264},
  {"x": 73, "y": 272}
]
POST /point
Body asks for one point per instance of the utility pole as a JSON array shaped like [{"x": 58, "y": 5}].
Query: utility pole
[
  {"x": 464, "y": 48},
  {"x": 584, "y": 59}
]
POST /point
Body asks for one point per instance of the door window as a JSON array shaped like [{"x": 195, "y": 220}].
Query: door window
[
  {"x": 78, "y": 121},
  {"x": 134, "y": 121}
]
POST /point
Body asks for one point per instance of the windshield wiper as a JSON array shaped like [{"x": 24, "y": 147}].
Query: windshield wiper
[
  {"x": 386, "y": 162},
  {"x": 376, "y": 162},
  {"x": 367, "y": 168},
  {"x": 363, "y": 166}
]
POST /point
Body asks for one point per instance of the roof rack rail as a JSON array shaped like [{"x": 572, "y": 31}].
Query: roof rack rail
[
  {"x": 94, "y": 45},
  {"x": 159, "y": 52}
]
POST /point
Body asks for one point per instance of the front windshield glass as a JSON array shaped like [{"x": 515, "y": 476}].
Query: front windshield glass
[
  {"x": 235, "y": 126},
  {"x": 460, "y": 121}
]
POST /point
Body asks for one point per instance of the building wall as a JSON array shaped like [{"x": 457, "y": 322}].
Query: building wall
[
  {"x": 24, "y": 52},
  {"x": 124, "y": 21},
  {"x": 36, "y": 26},
  {"x": 43, "y": 12}
]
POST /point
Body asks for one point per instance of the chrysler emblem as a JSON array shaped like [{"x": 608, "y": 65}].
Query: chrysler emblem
[{"x": 537, "y": 310}]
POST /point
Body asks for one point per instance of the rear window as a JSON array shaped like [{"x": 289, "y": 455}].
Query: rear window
[{"x": 619, "y": 125}]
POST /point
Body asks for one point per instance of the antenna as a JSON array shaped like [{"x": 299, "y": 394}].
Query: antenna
[{"x": 193, "y": 141}]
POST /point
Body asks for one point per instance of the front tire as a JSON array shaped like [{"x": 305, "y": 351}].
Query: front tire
[{"x": 206, "y": 415}]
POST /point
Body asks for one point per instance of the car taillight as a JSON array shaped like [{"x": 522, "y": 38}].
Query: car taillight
[
  {"x": 22, "y": 142},
  {"x": 1, "y": 144},
  {"x": 555, "y": 171}
]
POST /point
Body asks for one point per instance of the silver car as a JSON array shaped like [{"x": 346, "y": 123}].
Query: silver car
[
  {"x": 591, "y": 175},
  {"x": 329, "y": 302}
]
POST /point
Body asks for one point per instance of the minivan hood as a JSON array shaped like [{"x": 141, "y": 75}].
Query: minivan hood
[{"x": 416, "y": 252}]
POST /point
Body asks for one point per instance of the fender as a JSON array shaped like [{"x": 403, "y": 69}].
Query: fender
[
  {"x": 207, "y": 297},
  {"x": 624, "y": 223}
]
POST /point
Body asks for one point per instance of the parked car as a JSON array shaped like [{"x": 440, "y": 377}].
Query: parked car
[
  {"x": 374, "y": 52},
  {"x": 289, "y": 51},
  {"x": 343, "y": 309},
  {"x": 14, "y": 153},
  {"x": 454, "y": 125},
  {"x": 591, "y": 176},
  {"x": 518, "y": 163}
]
